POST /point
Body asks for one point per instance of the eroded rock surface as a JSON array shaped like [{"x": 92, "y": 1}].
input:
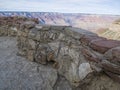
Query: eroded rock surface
[
  {"x": 69, "y": 51},
  {"x": 68, "y": 58},
  {"x": 17, "y": 73}
]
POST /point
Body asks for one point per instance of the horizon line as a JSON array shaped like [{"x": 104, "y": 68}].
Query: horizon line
[{"x": 62, "y": 12}]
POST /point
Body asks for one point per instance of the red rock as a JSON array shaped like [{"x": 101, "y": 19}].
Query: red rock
[
  {"x": 90, "y": 56},
  {"x": 87, "y": 39},
  {"x": 104, "y": 45}
]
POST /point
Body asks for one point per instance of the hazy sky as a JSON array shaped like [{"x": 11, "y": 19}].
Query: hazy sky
[{"x": 65, "y": 6}]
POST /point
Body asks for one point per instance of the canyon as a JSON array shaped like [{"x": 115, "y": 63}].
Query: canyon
[
  {"x": 90, "y": 22},
  {"x": 52, "y": 57},
  {"x": 112, "y": 32}
]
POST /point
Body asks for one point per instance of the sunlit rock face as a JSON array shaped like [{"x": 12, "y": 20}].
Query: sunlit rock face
[{"x": 81, "y": 59}]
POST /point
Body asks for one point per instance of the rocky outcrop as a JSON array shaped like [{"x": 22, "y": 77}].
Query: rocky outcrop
[
  {"x": 17, "y": 73},
  {"x": 82, "y": 59},
  {"x": 10, "y": 25},
  {"x": 67, "y": 50}
]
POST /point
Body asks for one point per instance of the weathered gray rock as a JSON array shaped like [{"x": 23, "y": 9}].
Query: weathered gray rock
[
  {"x": 62, "y": 84},
  {"x": 110, "y": 67},
  {"x": 17, "y": 73},
  {"x": 62, "y": 49},
  {"x": 101, "y": 82},
  {"x": 73, "y": 59},
  {"x": 113, "y": 55}
]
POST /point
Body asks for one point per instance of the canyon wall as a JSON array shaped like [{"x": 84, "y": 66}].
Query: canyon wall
[
  {"x": 90, "y": 22},
  {"x": 112, "y": 32},
  {"x": 85, "y": 60}
]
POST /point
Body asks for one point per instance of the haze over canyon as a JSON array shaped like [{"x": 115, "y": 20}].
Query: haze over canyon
[{"x": 91, "y": 22}]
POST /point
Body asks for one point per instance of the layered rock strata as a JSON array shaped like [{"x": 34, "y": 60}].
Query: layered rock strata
[
  {"x": 113, "y": 32},
  {"x": 84, "y": 59}
]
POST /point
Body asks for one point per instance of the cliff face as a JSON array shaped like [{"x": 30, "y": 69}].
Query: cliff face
[{"x": 82, "y": 59}]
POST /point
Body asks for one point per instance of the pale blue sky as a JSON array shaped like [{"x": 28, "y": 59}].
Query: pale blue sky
[{"x": 65, "y": 6}]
